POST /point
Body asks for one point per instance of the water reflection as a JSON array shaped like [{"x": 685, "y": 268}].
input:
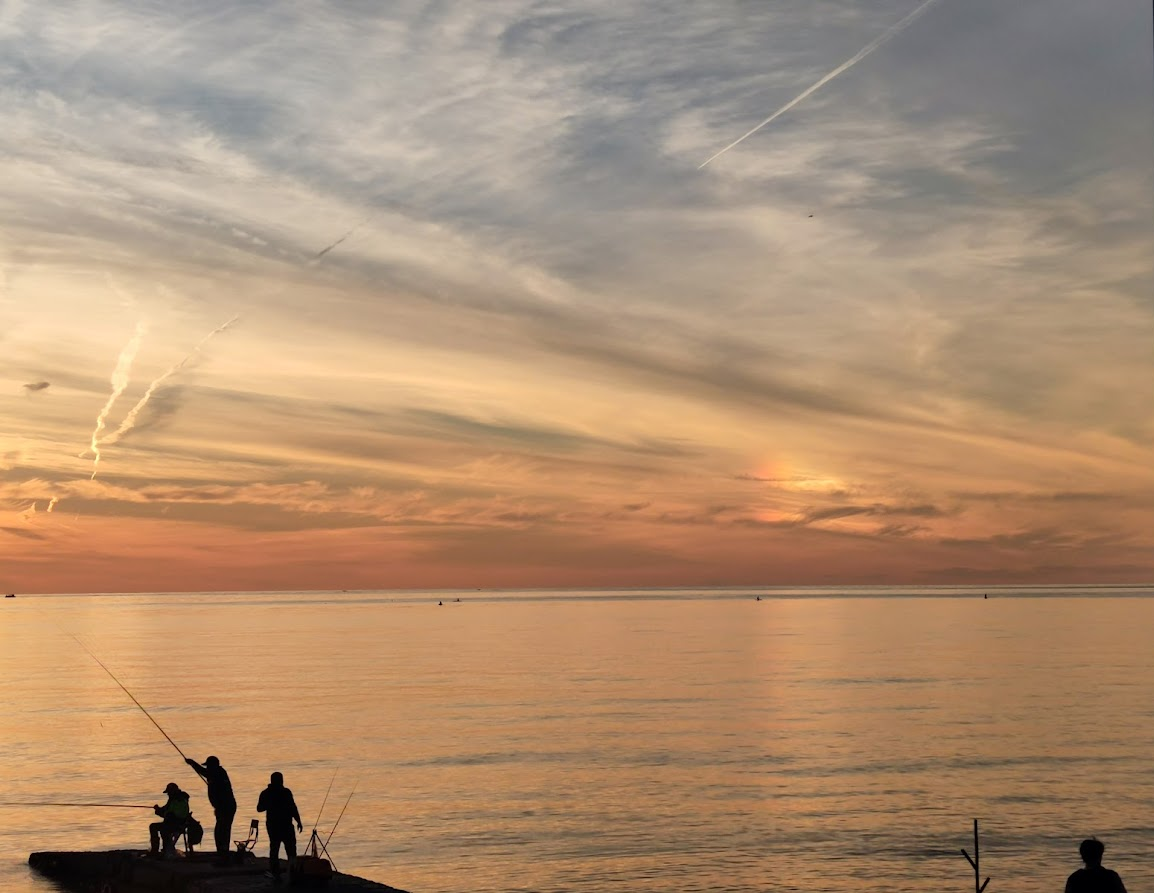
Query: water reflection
[{"x": 645, "y": 742}]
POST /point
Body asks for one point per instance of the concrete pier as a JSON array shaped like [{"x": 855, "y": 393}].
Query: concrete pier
[{"x": 131, "y": 871}]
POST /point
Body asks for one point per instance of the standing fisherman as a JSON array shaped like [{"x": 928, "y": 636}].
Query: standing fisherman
[
  {"x": 281, "y": 811},
  {"x": 223, "y": 803}
]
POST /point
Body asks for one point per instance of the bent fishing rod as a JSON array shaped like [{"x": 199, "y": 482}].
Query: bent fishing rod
[{"x": 136, "y": 702}]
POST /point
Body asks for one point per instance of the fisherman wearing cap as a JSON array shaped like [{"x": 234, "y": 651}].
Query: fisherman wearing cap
[
  {"x": 223, "y": 802},
  {"x": 280, "y": 809},
  {"x": 174, "y": 816}
]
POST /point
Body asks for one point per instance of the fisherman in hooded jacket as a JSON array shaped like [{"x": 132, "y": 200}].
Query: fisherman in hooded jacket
[
  {"x": 223, "y": 802},
  {"x": 277, "y": 802},
  {"x": 174, "y": 816}
]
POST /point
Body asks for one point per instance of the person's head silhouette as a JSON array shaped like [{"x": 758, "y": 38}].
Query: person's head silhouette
[
  {"x": 276, "y": 780},
  {"x": 212, "y": 761},
  {"x": 1091, "y": 851}
]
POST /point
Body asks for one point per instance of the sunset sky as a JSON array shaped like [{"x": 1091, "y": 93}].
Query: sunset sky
[{"x": 437, "y": 294}]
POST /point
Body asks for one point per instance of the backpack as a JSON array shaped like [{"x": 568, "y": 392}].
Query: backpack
[
  {"x": 195, "y": 831},
  {"x": 311, "y": 871}
]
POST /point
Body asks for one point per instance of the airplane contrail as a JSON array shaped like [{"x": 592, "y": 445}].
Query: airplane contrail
[
  {"x": 333, "y": 245},
  {"x": 130, "y": 419},
  {"x": 124, "y": 363},
  {"x": 849, "y": 63},
  {"x": 119, "y": 381}
]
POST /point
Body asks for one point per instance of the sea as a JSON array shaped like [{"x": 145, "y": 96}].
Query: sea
[{"x": 643, "y": 741}]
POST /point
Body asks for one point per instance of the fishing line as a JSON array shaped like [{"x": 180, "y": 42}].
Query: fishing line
[{"x": 100, "y": 805}]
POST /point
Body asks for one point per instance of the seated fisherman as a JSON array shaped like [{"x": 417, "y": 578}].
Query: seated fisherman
[{"x": 174, "y": 817}]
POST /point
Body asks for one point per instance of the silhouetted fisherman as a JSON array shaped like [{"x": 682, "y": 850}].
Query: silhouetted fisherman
[
  {"x": 174, "y": 817},
  {"x": 1094, "y": 878},
  {"x": 223, "y": 802},
  {"x": 280, "y": 809}
]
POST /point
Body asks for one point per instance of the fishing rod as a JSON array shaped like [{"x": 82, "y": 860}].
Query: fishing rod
[
  {"x": 130, "y": 694},
  {"x": 341, "y": 816},
  {"x": 323, "y": 802},
  {"x": 100, "y": 805},
  {"x": 134, "y": 701}
]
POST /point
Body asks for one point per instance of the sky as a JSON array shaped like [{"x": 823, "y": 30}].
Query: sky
[{"x": 442, "y": 294}]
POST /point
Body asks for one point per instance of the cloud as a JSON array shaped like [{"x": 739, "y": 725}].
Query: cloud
[
  {"x": 814, "y": 516},
  {"x": 551, "y": 320},
  {"x": 1035, "y": 538},
  {"x": 23, "y": 533},
  {"x": 1066, "y": 496}
]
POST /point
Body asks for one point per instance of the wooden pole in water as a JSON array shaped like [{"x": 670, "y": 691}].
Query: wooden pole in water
[{"x": 979, "y": 884}]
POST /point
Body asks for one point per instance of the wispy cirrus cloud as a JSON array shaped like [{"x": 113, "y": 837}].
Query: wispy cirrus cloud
[{"x": 476, "y": 261}]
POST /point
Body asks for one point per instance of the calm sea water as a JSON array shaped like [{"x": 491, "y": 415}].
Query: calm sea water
[{"x": 682, "y": 740}]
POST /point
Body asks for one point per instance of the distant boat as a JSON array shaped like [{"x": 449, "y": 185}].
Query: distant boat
[{"x": 11, "y": 595}]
